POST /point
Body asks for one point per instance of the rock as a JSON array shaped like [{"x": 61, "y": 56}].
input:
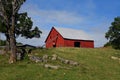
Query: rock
[
  {"x": 73, "y": 63},
  {"x": 51, "y": 66},
  {"x": 2, "y": 52},
  {"x": 54, "y": 57},
  {"x": 20, "y": 54},
  {"x": 114, "y": 58},
  {"x": 36, "y": 59},
  {"x": 45, "y": 57},
  {"x": 61, "y": 59},
  {"x": 66, "y": 61}
]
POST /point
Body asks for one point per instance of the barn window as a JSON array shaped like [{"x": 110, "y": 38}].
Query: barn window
[{"x": 76, "y": 44}]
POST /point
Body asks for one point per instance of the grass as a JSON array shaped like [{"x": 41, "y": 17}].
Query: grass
[{"x": 95, "y": 64}]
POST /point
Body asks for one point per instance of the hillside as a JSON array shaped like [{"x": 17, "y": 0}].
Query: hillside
[{"x": 94, "y": 64}]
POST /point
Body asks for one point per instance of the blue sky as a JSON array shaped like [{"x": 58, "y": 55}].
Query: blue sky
[{"x": 92, "y": 16}]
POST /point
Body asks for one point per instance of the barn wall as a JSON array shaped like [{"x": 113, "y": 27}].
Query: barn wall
[
  {"x": 83, "y": 43},
  {"x": 54, "y": 38},
  {"x": 87, "y": 44},
  {"x": 60, "y": 41},
  {"x": 69, "y": 43}
]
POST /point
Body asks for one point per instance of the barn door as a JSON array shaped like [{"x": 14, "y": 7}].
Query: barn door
[
  {"x": 54, "y": 45},
  {"x": 76, "y": 44}
]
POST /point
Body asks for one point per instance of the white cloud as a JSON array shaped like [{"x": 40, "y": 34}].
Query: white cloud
[
  {"x": 51, "y": 16},
  {"x": 99, "y": 39},
  {"x": 61, "y": 17},
  {"x": 34, "y": 41},
  {"x": 98, "y": 34}
]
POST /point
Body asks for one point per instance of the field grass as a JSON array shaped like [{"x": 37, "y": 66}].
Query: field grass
[{"x": 95, "y": 64}]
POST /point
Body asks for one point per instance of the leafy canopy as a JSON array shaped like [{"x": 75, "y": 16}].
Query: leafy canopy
[
  {"x": 23, "y": 26},
  {"x": 113, "y": 34}
]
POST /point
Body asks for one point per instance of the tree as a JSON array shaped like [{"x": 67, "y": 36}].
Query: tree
[
  {"x": 113, "y": 34},
  {"x": 9, "y": 12}
]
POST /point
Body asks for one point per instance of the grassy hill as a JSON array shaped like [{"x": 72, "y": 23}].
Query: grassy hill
[{"x": 95, "y": 64}]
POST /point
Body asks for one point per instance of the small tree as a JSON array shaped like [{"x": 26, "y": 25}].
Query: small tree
[
  {"x": 9, "y": 14},
  {"x": 113, "y": 34}
]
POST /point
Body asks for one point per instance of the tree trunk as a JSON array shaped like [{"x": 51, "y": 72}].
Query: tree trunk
[
  {"x": 13, "y": 49},
  {"x": 7, "y": 48},
  {"x": 12, "y": 42},
  {"x": 13, "y": 55}
]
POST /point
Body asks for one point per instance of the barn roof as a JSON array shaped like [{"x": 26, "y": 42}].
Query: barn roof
[{"x": 73, "y": 34}]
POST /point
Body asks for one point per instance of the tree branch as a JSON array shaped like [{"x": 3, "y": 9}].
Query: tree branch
[
  {"x": 18, "y": 4},
  {"x": 3, "y": 12}
]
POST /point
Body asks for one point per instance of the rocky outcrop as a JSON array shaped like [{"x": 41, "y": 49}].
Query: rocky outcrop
[{"x": 54, "y": 57}]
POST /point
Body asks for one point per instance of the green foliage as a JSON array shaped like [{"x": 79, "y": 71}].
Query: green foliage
[
  {"x": 36, "y": 32},
  {"x": 24, "y": 26},
  {"x": 2, "y": 26},
  {"x": 113, "y": 34},
  {"x": 7, "y": 5},
  {"x": 95, "y": 64},
  {"x": 108, "y": 44},
  {"x": 6, "y": 9},
  {"x": 19, "y": 44},
  {"x": 2, "y": 42}
]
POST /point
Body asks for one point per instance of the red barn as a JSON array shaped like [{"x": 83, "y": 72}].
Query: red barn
[{"x": 65, "y": 37}]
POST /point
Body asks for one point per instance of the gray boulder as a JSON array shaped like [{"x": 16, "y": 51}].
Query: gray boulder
[
  {"x": 45, "y": 57},
  {"x": 73, "y": 63},
  {"x": 36, "y": 59},
  {"x": 51, "y": 66},
  {"x": 54, "y": 57}
]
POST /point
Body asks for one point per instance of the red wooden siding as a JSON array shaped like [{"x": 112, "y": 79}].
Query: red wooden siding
[
  {"x": 83, "y": 43},
  {"x": 55, "y": 39}
]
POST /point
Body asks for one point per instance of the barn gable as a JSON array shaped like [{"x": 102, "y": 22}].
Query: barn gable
[{"x": 53, "y": 28}]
